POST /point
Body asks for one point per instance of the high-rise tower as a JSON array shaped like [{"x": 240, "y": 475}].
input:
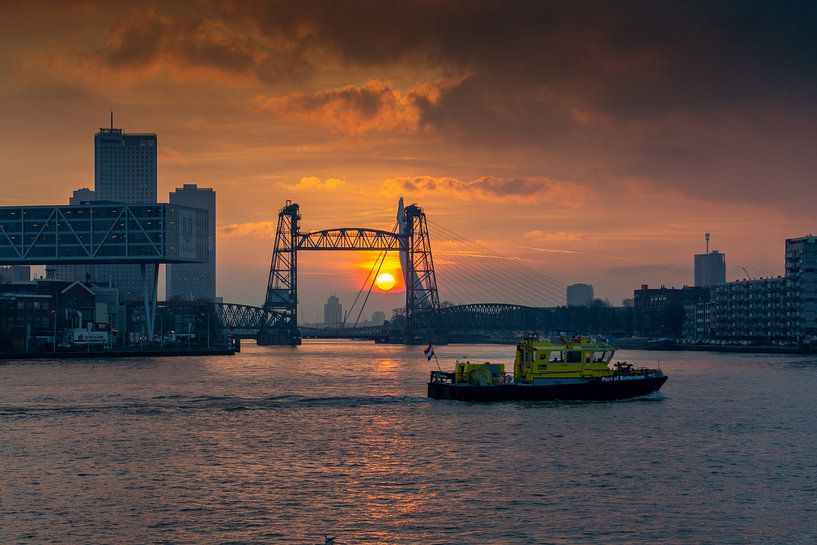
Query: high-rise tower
[
  {"x": 124, "y": 166},
  {"x": 124, "y": 171},
  {"x": 710, "y": 268}
]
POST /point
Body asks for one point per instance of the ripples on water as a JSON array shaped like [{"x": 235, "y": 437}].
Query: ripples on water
[{"x": 286, "y": 445}]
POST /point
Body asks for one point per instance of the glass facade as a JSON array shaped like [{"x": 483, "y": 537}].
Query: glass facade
[{"x": 103, "y": 233}]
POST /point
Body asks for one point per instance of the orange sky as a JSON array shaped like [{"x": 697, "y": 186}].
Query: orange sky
[{"x": 589, "y": 144}]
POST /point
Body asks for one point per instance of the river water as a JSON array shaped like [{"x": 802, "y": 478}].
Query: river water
[{"x": 287, "y": 445}]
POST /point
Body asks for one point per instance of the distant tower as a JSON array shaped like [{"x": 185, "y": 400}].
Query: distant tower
[
  {"x": 710, "y": 268},
  {"x": 579, "y": 295},
  {"x": 195, "y": 281},
  {"x": 333, "y": 312}
]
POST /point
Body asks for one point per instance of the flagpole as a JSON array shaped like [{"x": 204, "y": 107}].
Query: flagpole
[{"x": 431, "y": 348}]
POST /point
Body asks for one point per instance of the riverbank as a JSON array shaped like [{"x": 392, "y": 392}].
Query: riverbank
[
  {"x": 668, "y": 346},
  {"x": 115, "y": 354}
]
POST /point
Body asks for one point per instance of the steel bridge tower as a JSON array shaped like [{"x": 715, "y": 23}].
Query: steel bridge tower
[
  {"x": 412, "y": 241},
  {"x": 282, "y": 286},
  {"x": 418, "y": 268}
]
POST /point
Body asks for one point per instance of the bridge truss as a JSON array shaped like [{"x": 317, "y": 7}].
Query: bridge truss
[
  {"x": 280, "y": 324},
  {"x": 472, "y": 320}
]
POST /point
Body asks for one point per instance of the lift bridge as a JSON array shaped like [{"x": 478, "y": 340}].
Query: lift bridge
[{"x": 276, "y": 323}]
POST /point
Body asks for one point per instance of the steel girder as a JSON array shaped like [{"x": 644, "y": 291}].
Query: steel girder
[
  {"x": 350, "y": 238},
  {"x": 486, "y": 316},
  {"x": 246, "y": 317}
]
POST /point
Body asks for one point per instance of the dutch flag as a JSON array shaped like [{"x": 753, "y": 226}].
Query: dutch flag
[{"x": 429, "y": 352}]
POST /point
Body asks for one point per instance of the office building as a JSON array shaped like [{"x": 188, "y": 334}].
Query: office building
[
  {"x": 333, "y": 312},
  {"x": 124, "y": 171},
  {"x": 124, "y": 166},
  {"x": 661, "y": 312},
  {"x": 579, "y": 295},
  {"x": 801, "y": 288},
  {"x": 710, "y": 268},
  {"x": 196, "y": 281},
  {"x": 378, "y": 317},
  {"x": 750, "y": 310}
]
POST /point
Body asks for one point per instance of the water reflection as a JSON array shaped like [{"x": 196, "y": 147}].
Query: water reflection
[{"x": 283, "y": 445}]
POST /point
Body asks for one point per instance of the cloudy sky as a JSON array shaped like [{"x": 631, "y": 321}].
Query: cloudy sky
[{"x": 589, "y": 141}]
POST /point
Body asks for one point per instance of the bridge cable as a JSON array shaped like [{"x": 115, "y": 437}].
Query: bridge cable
[
  {"x": 381, "y": 255},
  {"x": 485, "y": 263},
  {"x": 382, "y": 258},
  {"x": 374, "y": 279},
  {"x": 496, "y": 275},
  {"x": 496, "y": 255}
]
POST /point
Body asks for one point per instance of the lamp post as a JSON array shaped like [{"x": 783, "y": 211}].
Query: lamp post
[{"x": 54, "y": 314}]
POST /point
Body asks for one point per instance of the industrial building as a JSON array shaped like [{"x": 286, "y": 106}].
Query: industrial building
[{"x": 34, "y": 313}]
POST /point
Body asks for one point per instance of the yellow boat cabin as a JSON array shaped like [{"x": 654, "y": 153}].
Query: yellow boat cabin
[{"x": 576, "y": 358}]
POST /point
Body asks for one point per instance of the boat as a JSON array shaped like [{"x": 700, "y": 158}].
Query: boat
[{"x": 578, "y": 368}]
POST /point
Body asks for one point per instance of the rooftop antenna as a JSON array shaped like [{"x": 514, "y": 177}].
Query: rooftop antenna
[
  {"x": 707, "y": 243},
  {"x": 111, "y": 120}
]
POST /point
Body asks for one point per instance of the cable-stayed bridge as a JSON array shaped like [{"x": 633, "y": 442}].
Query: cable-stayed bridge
[{"x": 463, "y": 266}]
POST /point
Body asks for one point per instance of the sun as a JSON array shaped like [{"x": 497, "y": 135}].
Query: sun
[{"x": 385, "y": 281}]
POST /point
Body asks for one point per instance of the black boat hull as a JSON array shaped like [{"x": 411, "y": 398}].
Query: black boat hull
[{"x": 592, "y": 390}]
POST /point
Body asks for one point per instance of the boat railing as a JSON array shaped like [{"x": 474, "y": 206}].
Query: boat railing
[
  {"x": 624, "y": 368},
  {"x": 442, "y": 377}
]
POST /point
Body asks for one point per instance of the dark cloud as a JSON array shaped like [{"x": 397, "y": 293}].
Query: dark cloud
[
  {"x": 530, "y": 189},
  {"x": 697, "y": 96},
  {"x": 353, "y": 109},
  {"x": 184, "y": 41}
]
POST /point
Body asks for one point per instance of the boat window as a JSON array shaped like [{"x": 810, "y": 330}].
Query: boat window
[
  {"x": 543, "y": 356},
  {"x": 599, "y": 357},
  {"x": 574, "y": 356},
  {"x": 556, "y": 356},
  {"x": 608, "y": 356}
]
